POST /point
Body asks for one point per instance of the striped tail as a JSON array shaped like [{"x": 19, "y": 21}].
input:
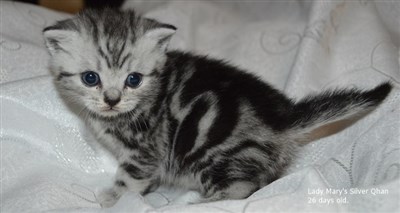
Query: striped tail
[{"x": 334, "y": 109}]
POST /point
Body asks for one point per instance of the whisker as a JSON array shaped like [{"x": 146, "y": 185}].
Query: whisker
[{"x": 144, "y": 121}]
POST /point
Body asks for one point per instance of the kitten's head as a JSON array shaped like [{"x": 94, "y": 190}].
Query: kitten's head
[{"x": 108, "y": 61}]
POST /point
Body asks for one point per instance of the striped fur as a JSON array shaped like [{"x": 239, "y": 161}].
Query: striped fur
[{"x": 194, "y": 122}]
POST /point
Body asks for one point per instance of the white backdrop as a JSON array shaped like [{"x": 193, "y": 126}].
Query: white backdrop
[{"x": 48, "y": 160}]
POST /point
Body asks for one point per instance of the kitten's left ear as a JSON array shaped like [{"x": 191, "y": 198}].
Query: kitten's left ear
[
  {"x": 57, "y": 40},
  {"x": 162, "y": 35},
  {"x": 60, "y": 36}
]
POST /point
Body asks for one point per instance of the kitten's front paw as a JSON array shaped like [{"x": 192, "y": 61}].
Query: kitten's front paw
[{"x": 107, "y": 198}]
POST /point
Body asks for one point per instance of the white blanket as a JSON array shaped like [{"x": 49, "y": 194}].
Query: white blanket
[{"x": 50, "y": 163}]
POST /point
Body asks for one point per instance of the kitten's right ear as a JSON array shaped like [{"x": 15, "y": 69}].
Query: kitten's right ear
[
  {"x": 57, "y": 39},
  {"x": 162, "y": 35}
]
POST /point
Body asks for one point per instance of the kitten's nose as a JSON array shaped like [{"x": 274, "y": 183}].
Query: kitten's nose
[
  {"x": 112, "y": 97},
  {"x": 111, "y": 102}
]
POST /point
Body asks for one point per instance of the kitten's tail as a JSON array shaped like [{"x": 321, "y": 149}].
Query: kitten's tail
[{"x": 320, "y": 115}]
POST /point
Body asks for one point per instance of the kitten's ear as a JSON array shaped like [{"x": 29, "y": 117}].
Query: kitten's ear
[
  {"x": 58, "y": 39},
  {"x": 162, "y": 35}
]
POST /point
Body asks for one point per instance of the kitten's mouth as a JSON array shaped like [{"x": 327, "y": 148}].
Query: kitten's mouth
[{"x": 110, "y": 111}]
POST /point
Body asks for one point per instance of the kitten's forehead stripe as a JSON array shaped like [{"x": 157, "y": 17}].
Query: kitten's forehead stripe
[
  {"x": 98, "y": 65},
  {"x": 124, "y": 59},
  {"x": 108, "y": 45},
  {"x": 95, "y": 30},
  {"x": 132, "y": 24},
  {"x": 105, "y": 57},
  {"x": 115, "y": 27},
  {"x": 116, "y": 60},
  {"x": 111, "y": 31},
  {"x": 153, "y": 73}
]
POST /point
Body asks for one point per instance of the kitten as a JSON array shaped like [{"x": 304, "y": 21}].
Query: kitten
[{"x": 177, "y": 119}]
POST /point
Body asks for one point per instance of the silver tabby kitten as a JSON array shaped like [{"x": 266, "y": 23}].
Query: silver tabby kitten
[{"x": 178, "y": 119}]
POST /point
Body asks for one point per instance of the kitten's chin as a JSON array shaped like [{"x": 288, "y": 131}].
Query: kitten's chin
[{"x": 109, "y": 113}]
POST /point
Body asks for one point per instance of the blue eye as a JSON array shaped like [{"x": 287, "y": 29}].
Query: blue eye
[
  {"x": 134, "y": 80},
  {"x": 90, "y": 78}
]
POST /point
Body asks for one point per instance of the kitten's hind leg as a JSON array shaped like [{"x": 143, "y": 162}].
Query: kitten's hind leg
[
  {"x": 127, "y": 179},
  {"x": 236, "y": 190}
]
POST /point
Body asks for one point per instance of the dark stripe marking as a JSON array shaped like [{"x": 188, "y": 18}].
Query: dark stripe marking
[
  {"x": 220, "y": 130},
  {"x": 120, "y": 183},
  {"x": 130, "y": 143},
  {"x": 124, "y": 60},
  {"x": 188, "y": 129},
  {"x": 103, "y": 55},
  {"x": 118, "y": 56},
  {"x": 134, "y": 171},
  {"x": 64, "y": 74}
]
